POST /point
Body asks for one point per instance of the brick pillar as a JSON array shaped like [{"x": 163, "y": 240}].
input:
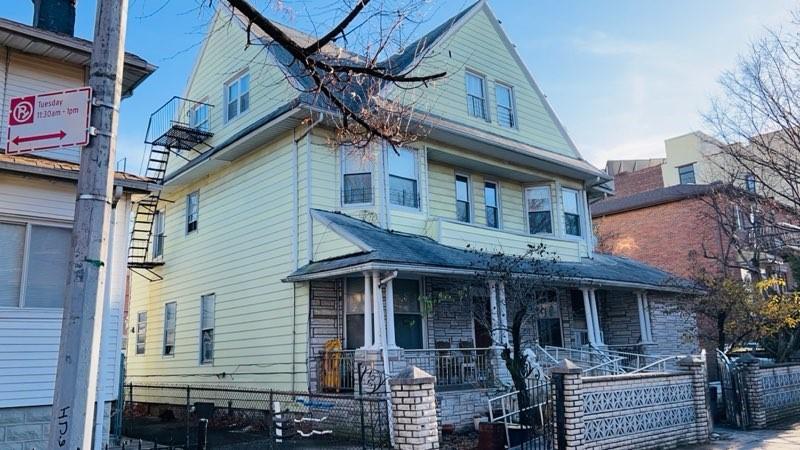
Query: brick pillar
[
  {"x": 696, "y": 364},
  {"x": 567, "y": 391},
  {"x": 753, "y": 390},
  {"x": 414, "y": 410}
]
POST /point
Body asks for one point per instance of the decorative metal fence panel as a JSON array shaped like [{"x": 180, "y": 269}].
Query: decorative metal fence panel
[
  {"x": 242, "y": 418},
  {"x": 734, "y": 392},
  {"x": 527, "y": 417}
]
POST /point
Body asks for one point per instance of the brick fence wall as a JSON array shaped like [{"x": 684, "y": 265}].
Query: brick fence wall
[
  {"x": 632, "y": 411},
  {"x": 772, "y": 393},
  {"x": 28, "y": 427}
]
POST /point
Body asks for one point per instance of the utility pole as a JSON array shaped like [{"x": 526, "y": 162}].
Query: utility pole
[{"x": 79, "y": 352}]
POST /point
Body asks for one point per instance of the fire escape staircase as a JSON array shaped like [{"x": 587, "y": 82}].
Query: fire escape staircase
[{"x": 179, "y": 127}]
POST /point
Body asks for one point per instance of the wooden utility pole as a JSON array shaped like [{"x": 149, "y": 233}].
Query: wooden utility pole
[{"x": 79, "y": 352}]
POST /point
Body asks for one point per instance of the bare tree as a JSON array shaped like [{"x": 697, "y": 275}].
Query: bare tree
[
  {"x": 755, "y": 119},
  {"x": 352, "y": 66},
  {"x": 527, "y": 282}
]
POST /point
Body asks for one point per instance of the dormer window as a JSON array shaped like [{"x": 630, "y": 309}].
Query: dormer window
[
  {"x": 504, "y": 96},
  {"x": 237, "y": 97},
  {"x": 476, "y": 96}
]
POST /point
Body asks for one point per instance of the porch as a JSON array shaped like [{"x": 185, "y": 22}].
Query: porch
[{"x": 603, "y": 330}]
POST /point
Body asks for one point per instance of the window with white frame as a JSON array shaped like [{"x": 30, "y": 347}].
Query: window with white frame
[
  {"x": 540, "y": 216},
  {"x": 170, "y": 321},
  {"x": 141, "y": 331},
  {"x": 158, "y": 234},
  {"x": 462, "y": 198},
  {"x": 192, "y": 211},
  {"x": 207, "y": 309},
  {"x": 403, "y": 189},
  {"x": 356, "y": 178},
  {"x": 492, "y": 201},
  {"x": 407, "y": 314},
  {"x": 354, "y": 312},
  {"x": 237, "y": 97},
  {"x": 504, "y": 96},
  {"x": 476, "y": 96},
  {"x": 34, "y": 261},
  {"x": 198, "y": 117},
  {"x": 573, "y": 212}
]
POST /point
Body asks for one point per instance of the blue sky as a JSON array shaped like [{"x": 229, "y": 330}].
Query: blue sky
[{"x": 622, "y": 75}]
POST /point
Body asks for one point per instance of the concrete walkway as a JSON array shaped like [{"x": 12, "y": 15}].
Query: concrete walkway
[{"x": 777, "y": 437}]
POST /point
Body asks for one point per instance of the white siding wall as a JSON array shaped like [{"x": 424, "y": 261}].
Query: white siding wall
[
  {"x": 24, "y": 75},
  {"x": 29, "y": 338}
]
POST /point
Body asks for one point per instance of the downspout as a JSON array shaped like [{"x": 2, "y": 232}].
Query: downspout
[
  {"x": 296, "y": 230},
  {"x": 385, "y": 353}
]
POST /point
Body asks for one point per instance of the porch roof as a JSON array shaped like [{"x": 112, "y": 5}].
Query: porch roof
[{"x": 391, "y": 250}]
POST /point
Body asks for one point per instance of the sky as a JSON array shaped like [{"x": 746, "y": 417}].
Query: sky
[{"x": 622, "y": 75}]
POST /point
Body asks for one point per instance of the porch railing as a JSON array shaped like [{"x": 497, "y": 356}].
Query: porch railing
[
  {"x": 591, "y": 360},
  {"x": 454, "y": 368},
  {"x": 633, "y": 358},
  {"x": 336, "y": 371}
]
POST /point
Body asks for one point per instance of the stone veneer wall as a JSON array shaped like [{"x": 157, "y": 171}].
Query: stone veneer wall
[
  {"x": 460, "y": 407},
  {"x": 28, "y": 427},
  {"x": 325, "y": 321},
  {"x": 619, "y": 317},
  {"x": 451, "y": 319},
  {"x": 780, "y": 390},
  {"x": 674, "y": 328}
]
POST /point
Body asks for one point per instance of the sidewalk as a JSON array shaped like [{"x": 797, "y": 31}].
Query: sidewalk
[{"x": 777, "y": 437}]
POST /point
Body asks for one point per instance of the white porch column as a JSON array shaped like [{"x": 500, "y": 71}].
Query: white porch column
[
  {"x": 495, "y": 314},
  {"x": 502, "y": 313},
  {"x": 367, "y": 310},
  {"x": 596, "y": 317},
  {"x": 587, "y": 307},
  {"x": 379, "y": 324},
  {"x": 390, "y": 315},
  {"x": 643, "y": 319},
  {"x": 646, "y": 304}
]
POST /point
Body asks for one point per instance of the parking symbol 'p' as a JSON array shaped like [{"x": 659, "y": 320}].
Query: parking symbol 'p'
[{"x": 22, "y": 110}]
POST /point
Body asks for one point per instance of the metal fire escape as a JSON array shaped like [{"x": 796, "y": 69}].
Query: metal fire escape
[{"x": 179, "y": 127}]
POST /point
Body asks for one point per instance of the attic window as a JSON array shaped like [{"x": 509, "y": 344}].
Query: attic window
[
  {"x": 686, "y": 174},
  {"x": 476, "y": 96},
  {"x": 237, "y": 96}
]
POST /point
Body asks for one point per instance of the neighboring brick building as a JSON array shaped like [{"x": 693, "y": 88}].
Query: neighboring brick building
[{"x": 660, "y": 226}]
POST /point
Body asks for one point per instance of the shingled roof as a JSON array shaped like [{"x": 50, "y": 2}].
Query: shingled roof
[
  {"x": 403, "y": 251},
  {"x": 645, "y": 199}
]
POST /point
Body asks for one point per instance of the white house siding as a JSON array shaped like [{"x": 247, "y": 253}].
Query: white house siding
[
  {"x": 29, "y": 337},
  {"x": 24, "y": 75},
  {"x": 240, "y": 252}
]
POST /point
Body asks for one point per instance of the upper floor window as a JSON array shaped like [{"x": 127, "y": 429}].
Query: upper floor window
[
  {"x": 403, "y": 177},
  {"x": 462, "y": 198},
  {"x": 34, "y": 261},
  {"x": 504, "y": 96},
  {"x": 237, "y": 96},
  {"x": 356, "y": 179},
  {"x": 686, "y": 174},
  {"x": 476, "y": 96},
  {"x": 750, "y": 183},
  {"x": 192, "y": 211},
  {"x": 170, "y": 321},
  {"x": 158, "y": 234},
  {"x": 572, "y": 211},
  {"x": 141, "y": 331},
  {"x": 540, "y": 217},
  {"x": 198, "y": 117},
  {"x": 207, "y": 307},
  {"x": 492, "y": 204}
]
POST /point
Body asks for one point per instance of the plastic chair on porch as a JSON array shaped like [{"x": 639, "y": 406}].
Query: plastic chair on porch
[
  {"x": 331, "y": 377},
  {"x": 469, "y": 366},
  {"x": 444, "y": 362}
]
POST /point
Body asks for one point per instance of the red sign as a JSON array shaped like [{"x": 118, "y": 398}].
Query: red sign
[{"x": 49, "y": 121}]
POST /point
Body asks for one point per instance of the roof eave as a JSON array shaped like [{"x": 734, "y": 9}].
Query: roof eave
[{"x": 134, "y": 186}]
